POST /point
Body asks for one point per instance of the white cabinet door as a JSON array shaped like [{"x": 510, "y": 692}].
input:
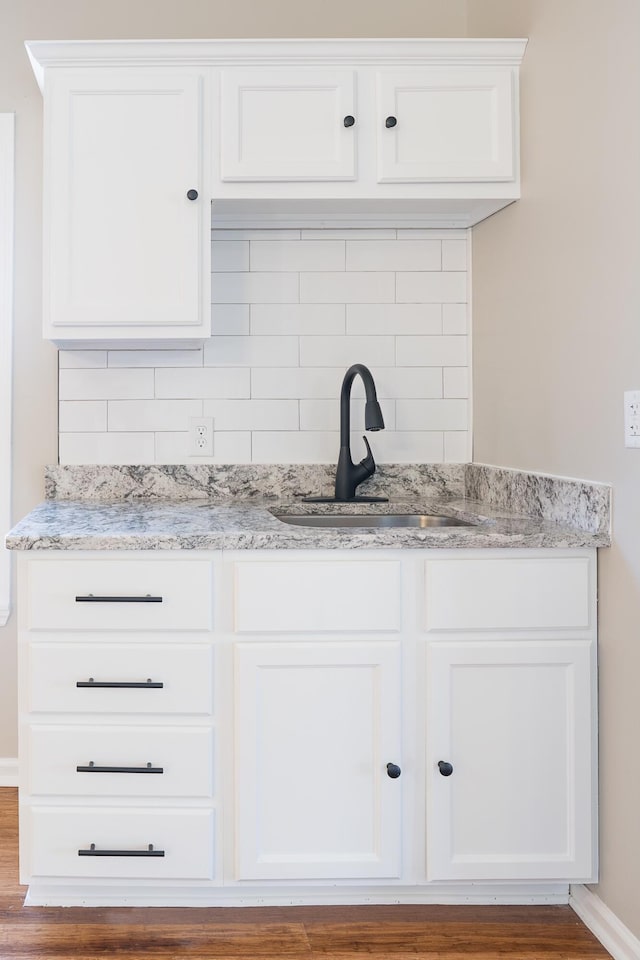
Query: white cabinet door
[
  {"x": 292, "y": 124},
  {"x": 514, "y": 720},
  {"x": 445, "y": 125},
  {"x": 124, "y": 248},
  {"x": 316, "y": 725}
]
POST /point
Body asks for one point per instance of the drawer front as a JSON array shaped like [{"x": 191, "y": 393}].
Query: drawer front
[
  {"x": 120, "y": 761},
  {"x": 327, "y": 597},
  {"x": 119, "y": 595},
  {"x": 56, "y": 835},
  {"x": 181, "y": 678},
  {"x": 504, "y": 594}
]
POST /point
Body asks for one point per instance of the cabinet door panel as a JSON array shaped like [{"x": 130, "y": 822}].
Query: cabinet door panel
[
  {"x": 514, "y": 719},
  {"x": 451, "y": 125},
  {"x": 316, "y": 725},
  {"x": 287, "y": 125},
  {"x": 124, "y": 241}
]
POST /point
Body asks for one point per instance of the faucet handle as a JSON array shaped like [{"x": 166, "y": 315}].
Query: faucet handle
[{"x": 368, "y": 462}]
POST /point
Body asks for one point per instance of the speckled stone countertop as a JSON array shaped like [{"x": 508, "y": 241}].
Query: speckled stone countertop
[{"x": 197, "y": 525}]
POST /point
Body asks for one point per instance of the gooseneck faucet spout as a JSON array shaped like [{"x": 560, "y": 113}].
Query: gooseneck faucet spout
[{"x": 349, "y": 474}]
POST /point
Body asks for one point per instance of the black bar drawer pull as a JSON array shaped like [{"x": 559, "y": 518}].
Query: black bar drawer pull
[
  {"x": 92, "y": 852},
  {"x": 121, "y": 684},
  {"x": 91, "y": 598},
  {"x": 92, "y": 768}
]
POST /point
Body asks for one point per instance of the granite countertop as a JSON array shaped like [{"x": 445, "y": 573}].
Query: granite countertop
[{"x": 248, "y": 525}]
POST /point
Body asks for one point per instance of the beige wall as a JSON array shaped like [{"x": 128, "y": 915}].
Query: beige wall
[
  {"x": 35, "y": 390},
  {"x": 557, "y": 336}
]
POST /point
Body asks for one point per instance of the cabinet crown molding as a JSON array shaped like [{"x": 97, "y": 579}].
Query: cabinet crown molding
[{"x": 258, "y": 52}]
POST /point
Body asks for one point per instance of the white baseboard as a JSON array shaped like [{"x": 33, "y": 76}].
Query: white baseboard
[
  {"x": 8, "y": 772},
  {"x": 603, "y": 923}
]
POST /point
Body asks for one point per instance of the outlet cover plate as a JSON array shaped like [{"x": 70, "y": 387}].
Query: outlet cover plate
[
  {"x": 200, "y": 436},
  {"x": 632, "y": 418}
]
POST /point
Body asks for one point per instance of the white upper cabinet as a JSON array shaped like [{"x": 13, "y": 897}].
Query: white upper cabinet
[
  {"x": 148, "y": 144},
  {"x": 445, "y": 125},
  {"x": 126, "y": 205},
  {"x": 290, "y": 124}
]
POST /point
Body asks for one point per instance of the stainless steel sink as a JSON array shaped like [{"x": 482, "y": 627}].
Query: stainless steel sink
[{"x": 422, "y": 520}]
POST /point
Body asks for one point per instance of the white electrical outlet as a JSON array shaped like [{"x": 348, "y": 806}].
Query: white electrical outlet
[
  {"x": 201, "y": 436},
  {"x": 632, "y": 418}
]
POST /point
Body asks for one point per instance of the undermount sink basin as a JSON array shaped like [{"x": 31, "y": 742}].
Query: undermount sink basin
[{"x": 421, "y": 520}]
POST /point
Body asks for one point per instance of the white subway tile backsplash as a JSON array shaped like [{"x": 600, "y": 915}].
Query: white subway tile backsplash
[
  {"x": 343, "y": 351},
  {"x": 291, "y": 310},
  {"x": 299, "y": 446},
  {"x": 431, "y": 414},
  {"x": 367, "y": 319},
  {"x": 230, "y": 319},
  {"x": 297, "y": 255},
  {"x": 106, "y": 448},
  {"x": 456, "y": 382},
  {"x": 431, "y": 351},
  {"x": 203, "y": 383},
  {"x": 274, "y": 319},
  {"x": 252, "y": 414},
  {"x": 296, "y": 383},
  {"x": 85, "y": 359},
  {"x": 348, "y": 287},
  {"x": 251, "y": 352},
  {"x": 351, "y": 233},
  {"x": 454, "y": 254},
  {"x": 229, "y": 255},
  {"x": 82, "y": 416},
  {"x": 457, "y": 447},
  {"x": 227, "y": 448},
  {"x": 393, "y": 254},
  {"x": 406, "y": 382},
  {"x": 105, "y": 384},
  {"x": 249, "y": 234},
  {"x": 254, "y": 288},
  {"x": 404, "y": 446},
  {"x": 128, "y": 415},
  {"x": 155, "y": 358},
  {"x": 431, "y": 287},
  {"x": 454, "y": 318}
]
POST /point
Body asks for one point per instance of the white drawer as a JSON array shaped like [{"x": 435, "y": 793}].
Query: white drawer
[
  {"x": 504, "y": 594},
  {"x": 180, "y": 761},
  {"x": 181, "y": 678},
  {"x": 325, "y": 597},
  {"x": 56, "y": 834},
  {"x": 119, "y": 594}
]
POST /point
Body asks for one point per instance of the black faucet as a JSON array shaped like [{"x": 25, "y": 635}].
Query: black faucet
[{"x": 349, "y": 474}]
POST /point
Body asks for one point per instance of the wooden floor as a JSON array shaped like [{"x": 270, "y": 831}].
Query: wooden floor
[{"x": 292, "y": 933}]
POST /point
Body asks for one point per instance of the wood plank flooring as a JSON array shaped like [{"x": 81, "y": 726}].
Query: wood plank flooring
[{"x": 292, "y": 933}]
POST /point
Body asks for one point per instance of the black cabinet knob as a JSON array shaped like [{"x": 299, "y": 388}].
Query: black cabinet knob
[
  {"x": 446, "y": 769},
  {"x": 393, "y": 771},
  {"x": 192, "y": 194},
  {"x": 390, "y": 122},
  {"x": 349, "y": 121}
]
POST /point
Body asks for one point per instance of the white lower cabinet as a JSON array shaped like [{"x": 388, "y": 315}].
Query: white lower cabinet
[
  {"x": 509, "y": 768},
  {"x": 307, "y": 726},
  {"x": 316, "y": 725}
]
